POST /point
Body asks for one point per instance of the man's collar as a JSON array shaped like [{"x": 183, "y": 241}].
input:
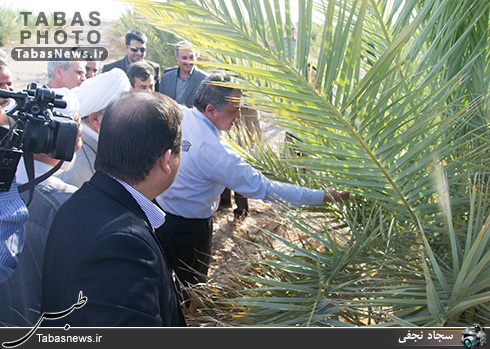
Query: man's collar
[
  {"x": 208, "y": 122},
  {"x": 155, "y": 215}
]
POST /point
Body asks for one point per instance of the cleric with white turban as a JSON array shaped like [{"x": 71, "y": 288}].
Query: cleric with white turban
[{"x": 94, "y": 95}]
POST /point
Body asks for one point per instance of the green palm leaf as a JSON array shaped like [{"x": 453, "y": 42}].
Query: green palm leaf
[{"x": 400, "y": 97}]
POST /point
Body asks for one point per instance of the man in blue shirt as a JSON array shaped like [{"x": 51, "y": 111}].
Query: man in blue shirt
[
  {"x": 210, "y": 166},
  {"x": 13, "y": 215},
  {"x": 13, "y": 211}
]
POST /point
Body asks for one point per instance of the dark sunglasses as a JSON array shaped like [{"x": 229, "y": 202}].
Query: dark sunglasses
[
  {"x": 135, "y": 49},
  {"x": 186, "y": 146}
]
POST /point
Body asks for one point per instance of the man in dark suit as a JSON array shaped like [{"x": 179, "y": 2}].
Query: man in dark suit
[
  {"x": 181, "y": 82},
  {"x": 102, "y": 241},
  {"x": 135, "y": 49}
]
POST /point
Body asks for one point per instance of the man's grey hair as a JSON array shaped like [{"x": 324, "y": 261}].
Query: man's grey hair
[
  {"x": 185, "y": 43},
  {"x": 65, "y": 65},
  {"x": 212, "y": 92}
]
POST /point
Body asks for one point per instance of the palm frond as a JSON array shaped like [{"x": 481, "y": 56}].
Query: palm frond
[{"x": 397, "y": 115}]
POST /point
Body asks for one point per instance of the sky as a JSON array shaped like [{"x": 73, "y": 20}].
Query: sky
[{"x": 108, "y": 9}]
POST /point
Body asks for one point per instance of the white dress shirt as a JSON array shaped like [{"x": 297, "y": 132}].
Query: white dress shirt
[
  {"x": 40, "y": 168},
  {"x": 212, "y": 165},
  {"x": 155, "y": 216}
]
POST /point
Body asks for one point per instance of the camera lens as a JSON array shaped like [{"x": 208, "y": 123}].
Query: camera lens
[
  {"x": 470, "y": 342},
  {"x": 56, "y": 138}
]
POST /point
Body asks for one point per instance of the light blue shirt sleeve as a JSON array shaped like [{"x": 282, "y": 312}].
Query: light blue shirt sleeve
[
  {"x": 13, "y": 215},
  {"x": 229, "y": 169},
  {"x": 212, "y": 165}
]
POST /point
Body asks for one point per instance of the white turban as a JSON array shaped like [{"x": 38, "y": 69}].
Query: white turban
[{"x": 96, "y": 93}]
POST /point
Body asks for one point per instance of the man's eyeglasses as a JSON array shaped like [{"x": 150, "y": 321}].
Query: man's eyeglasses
[
  {"x": 186, "y": 146},
  {"x": 135, "y": 49}
]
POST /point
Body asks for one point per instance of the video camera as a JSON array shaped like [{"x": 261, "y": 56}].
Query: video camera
[{"x": 37, "y": 129}]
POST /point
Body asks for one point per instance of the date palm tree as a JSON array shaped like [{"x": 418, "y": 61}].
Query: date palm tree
[{"x": 397, "y": 115}]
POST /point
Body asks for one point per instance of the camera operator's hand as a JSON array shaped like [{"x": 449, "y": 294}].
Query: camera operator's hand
[
  {"x": 79, "y": 142},
  {"x": 4, "y": 102},
  {"x": 3, "y": 117}
]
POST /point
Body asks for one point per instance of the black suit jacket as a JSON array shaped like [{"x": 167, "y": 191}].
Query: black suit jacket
[
  {"x": 123, "y": 64},
  {"x": 101, "y": 243}
]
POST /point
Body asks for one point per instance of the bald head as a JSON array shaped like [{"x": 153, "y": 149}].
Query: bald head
[{"x": 136, "y": 130}]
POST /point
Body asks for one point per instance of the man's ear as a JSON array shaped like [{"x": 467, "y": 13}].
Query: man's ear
[
  {"x": 164, "y": 161},
  {"x": 57, "y": 71},
  {"x": 210, "y": 110},
  {"x": 95, "y": 120}
]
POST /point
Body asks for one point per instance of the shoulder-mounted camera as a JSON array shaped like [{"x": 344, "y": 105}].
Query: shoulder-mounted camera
[{"x": 36, "y": 129}]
